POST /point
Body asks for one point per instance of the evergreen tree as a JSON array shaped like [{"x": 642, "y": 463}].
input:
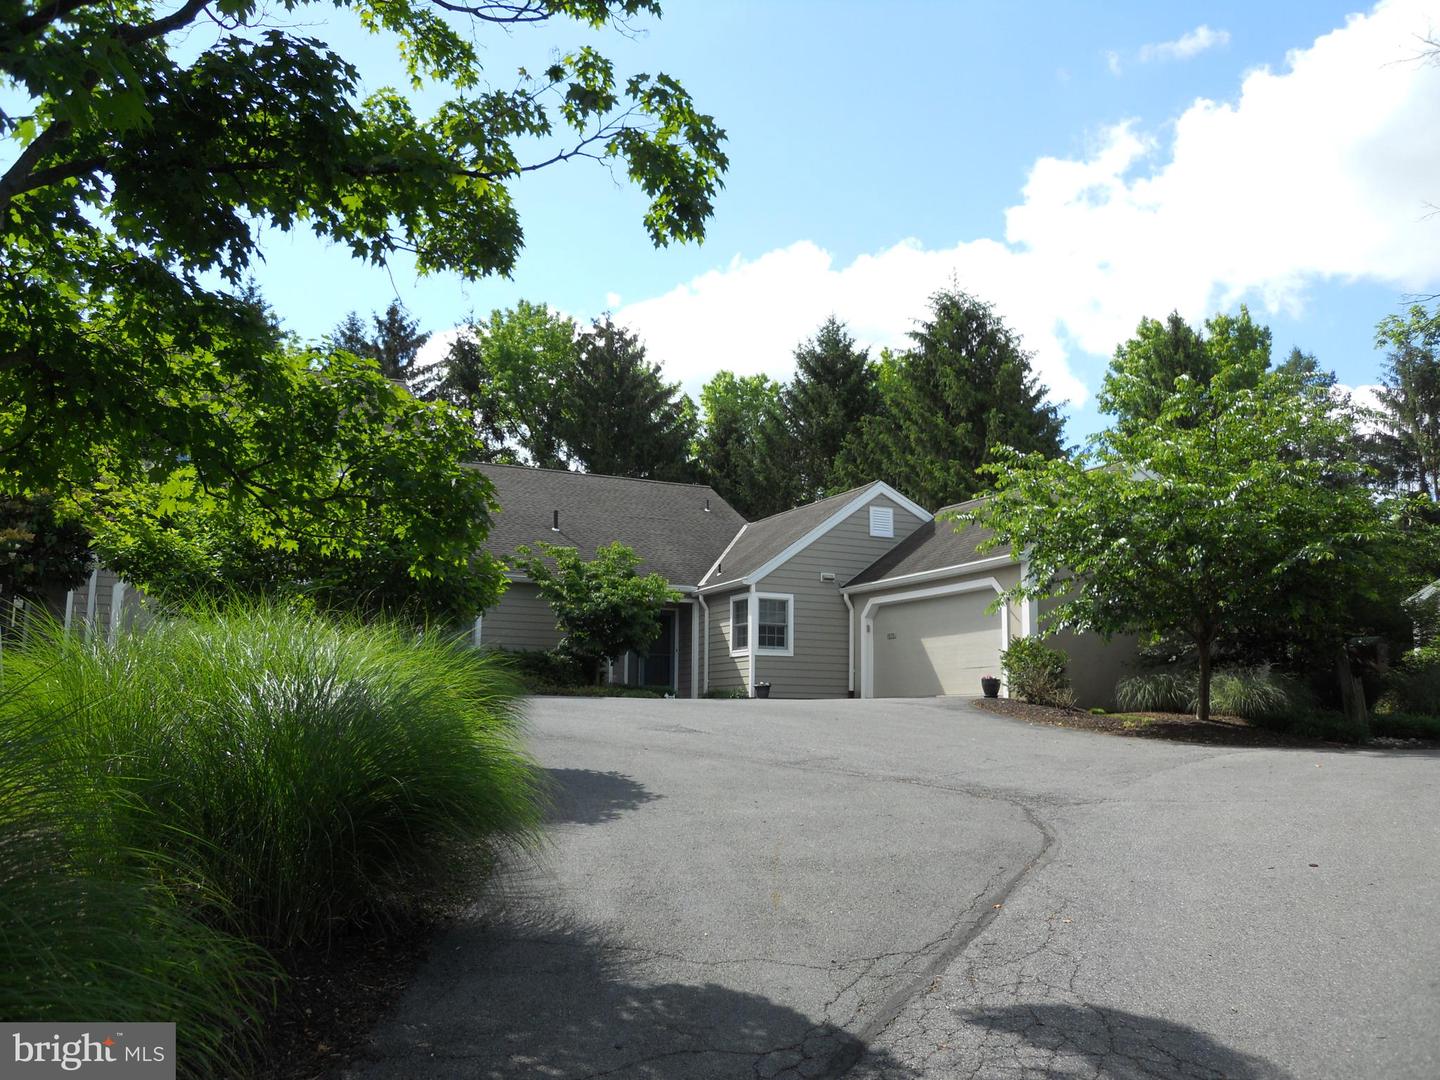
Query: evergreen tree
[
  {"x": 1232, "y": 349},
  {"x": 392, "y": 341},
  {"x": 834, "y": 388},
  {"x": 465, "y": 380},
  {"x": 351, "y": 335},
  {"x": 1406, "y": 449},
  {"x": 964, "y": 388},
  {"x": 743, "y": 448},
  {"x": 397, "y": 341},
  {"x": 621, "y": 417},
  {"x": 1306, "y": 368}
]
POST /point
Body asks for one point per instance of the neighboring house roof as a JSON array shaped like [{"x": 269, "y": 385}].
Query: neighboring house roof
[
  {"x": 936, "y": 545},
  {"x": 1429, "y": 592},
  {"x": 666, "y": 524},
  {"x": 764, "y": 544}
]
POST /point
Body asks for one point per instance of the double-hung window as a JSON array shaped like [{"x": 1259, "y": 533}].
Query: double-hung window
[
  {"x": 774, "y": 623},
  {"x": 773, "y": 629},
  {"x": 739, "y": 624}
]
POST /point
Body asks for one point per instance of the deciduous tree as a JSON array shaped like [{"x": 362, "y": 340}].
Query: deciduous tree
[
  {"x": 510, "y": 373},
  {"x": 604, "y": 607},
  {"x": 151, "y": 144},
  {"x": 744, "y": 449},
  {"x": 362, "y": 500},
  {"x": 1238, "y": 511}
]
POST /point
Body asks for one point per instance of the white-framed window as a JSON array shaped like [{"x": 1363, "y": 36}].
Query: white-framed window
[
  {"x": 772, "y": 629},
  {"x": 882, "y": 521},
  {"x": 774, "y": 624},
  {"x": 739, "y": 624}
]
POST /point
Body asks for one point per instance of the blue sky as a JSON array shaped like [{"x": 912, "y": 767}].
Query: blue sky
[{"x": 1076, "y": 165}]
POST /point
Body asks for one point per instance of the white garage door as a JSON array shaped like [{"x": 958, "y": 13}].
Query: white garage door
[{"x": 938, "y": 645}]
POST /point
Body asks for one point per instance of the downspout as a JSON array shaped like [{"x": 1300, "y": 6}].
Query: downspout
[
  {"x": 705, "y": 614},
  {"x": 695, "y": 649},
  {"x": 849, "y": 645},
  {"x": 90, "y": 590},
  {"x": 754, "y": 606}
]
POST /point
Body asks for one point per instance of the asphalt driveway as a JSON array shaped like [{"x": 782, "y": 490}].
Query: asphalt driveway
[{"x": 908, "y": 889}]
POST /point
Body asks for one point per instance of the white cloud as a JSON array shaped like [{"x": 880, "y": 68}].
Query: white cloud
[
  {"x": 1187, "y": 45},
  {"x": 1112, "y": 61},
  {"x": 1320, "y": 171}
]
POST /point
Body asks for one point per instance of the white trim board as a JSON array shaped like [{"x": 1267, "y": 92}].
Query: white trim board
[
  {"x": 867, "y": 644},
  {"x": 753, "y": 629},
  {"x": 977, "y": 565},
  {"x": 720, "y": 559}
]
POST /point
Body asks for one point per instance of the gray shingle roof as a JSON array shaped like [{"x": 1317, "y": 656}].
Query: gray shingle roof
[
  {"x": 933, "y": 546},
  {"x": 764, "y": 539},
  {"x": 666, "y": 524}
]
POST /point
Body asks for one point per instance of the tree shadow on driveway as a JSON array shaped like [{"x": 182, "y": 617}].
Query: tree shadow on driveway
[
  {"x": 589, "y": 797},
  {"x": 1090, "y": 1041},
  {"x": 525, "y": 996}
]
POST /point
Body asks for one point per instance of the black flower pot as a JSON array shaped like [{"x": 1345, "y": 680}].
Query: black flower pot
[
  {"x": 762, "y": 689},
  {"x": 990, "y": 685}
]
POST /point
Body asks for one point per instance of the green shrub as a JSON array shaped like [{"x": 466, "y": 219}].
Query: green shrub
[
  {"x": 1155, "y": 691},
  {"x": 543, "y": 670},
  {"x": 731, "y": 693},
  {"x": 1398, "y": 725},
  {"x": 1325, "y": 724},
  {"x": 1035, "y": 673},
  {"x": 607, "y": 690},
  {"x": 86, "y": 933},
  {"x": 1265, "y": 698},
  {"x": 287, "y": 774},
  {"x": 1413, "y": 685}
]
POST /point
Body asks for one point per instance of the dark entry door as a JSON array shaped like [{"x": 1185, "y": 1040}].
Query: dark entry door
[{"x": 659, "y": 667}]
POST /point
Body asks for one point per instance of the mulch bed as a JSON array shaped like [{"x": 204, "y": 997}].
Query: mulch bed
[
  {"x": 333, "y": 998},
  {"x": 1175, "y": 727}
]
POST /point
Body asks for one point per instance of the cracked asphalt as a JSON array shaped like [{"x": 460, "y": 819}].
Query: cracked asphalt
[{"x": 891, "y": 890}]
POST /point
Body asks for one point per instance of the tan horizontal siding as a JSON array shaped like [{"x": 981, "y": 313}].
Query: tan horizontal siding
[
  {"x": 1096, "y": 665},
  {"x": 521, "y": 620},
  {"x": 726, "y": 672},
  {"x": 818, "y": 668}
]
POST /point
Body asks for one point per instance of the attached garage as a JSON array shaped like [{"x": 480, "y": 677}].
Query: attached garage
[{"x": 934, "y": 645}]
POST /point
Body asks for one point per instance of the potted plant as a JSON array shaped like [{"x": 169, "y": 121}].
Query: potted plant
[
  {"x": 762, "y": 689},
  {"x": 990, "y": 685}
]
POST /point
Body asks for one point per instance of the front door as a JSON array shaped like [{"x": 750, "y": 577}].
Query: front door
[{"x": 658, "y": 666}]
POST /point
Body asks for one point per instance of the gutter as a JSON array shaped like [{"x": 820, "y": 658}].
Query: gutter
[{"x": 929, "y": 575}]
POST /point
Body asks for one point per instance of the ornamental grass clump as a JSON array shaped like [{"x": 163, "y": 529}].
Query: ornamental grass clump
[
  {"x": 288, "y": 775},
  {"x": 1265, "y": 698},
  {"x": 87, "y": 931},
  {"x": 1156, "y": 691}
]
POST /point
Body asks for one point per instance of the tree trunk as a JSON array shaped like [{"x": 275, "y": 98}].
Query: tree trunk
[
  {"x": 1352, "y": 693},
  {"x": 1202, "y": 713}
]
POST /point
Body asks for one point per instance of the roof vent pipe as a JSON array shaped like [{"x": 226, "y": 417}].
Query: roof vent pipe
[
  {"x": 555, "y": 527},
  {"x": 707, "y": 506}
]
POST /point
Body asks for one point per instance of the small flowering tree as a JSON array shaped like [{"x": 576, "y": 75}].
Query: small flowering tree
[{"x": 604, "y": 607}]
